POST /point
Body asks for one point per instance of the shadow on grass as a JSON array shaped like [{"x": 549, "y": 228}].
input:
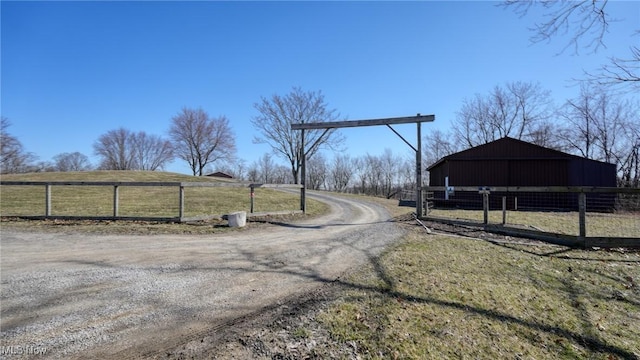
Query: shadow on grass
[{"x": 557, "y": 253}]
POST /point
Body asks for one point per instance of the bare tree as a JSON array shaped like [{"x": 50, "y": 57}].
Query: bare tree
[
  {"x": 253, "y": 174},
  {"x": 201, "y": 140},
  {"x": 122, "y": 149},
  {"x": 587, "y": 23},
  {"x": 13, "y": 157},
  {"x": 281, "y": 174},
  {"x": 274, "y": 125},
  {"x": 116, "y": 150},
  {"x": 152, "y": 152},
  {"x": 514, "y": 111},
  {"x": 74, "y": 161},
  {"x": 317, "y": 172},
  {"x": 602, "y": 127},
  {"x": 437, "y": 145},
  {"x": 341, "y": 172},
  {"x": 237, "y": 169},
  {"x": 267, "y": 168}
]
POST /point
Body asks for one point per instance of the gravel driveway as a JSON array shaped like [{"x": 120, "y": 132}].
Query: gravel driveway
[{"x": 107, "y": 296}]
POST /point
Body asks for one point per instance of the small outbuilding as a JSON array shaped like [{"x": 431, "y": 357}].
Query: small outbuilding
[
  {"x": 513, "y": 162},
  {"x": 220, "y": 174}
]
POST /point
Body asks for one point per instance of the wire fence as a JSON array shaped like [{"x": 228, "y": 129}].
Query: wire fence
[{"x": 575, "y": 215}]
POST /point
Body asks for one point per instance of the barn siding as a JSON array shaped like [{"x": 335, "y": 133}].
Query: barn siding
[{"x": 511, "y": 162}]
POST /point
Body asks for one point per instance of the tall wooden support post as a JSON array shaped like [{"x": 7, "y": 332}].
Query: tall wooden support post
[
  {"x": 115, "y": 200},
  {"x": 181, "y": 203},
  {"x": 252, "y": 196},
  {"x": 582, "y": 209},
  {"x": 303, "y": 177},
  {"x": 419, "y": 199},
  {"x": 47, "y": 200}
]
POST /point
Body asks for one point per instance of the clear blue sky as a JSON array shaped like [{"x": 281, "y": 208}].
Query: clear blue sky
[{"x": 71, "y": 71}]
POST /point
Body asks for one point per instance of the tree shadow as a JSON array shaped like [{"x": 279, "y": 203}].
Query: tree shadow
[{"x": 557, "y": 254}]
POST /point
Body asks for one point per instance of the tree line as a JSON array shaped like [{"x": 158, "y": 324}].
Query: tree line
[{"x": 596, "y": 124}]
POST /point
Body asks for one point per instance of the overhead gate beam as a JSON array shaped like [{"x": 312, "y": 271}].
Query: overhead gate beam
[{"x": 418, "y": 119}]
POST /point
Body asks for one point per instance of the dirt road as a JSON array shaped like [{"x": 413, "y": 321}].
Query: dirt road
[{"x": 79, "y": 296}]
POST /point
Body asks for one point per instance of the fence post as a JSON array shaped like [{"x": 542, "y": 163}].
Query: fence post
[
  {"x": 485, "y": 207},
  {"x": 181, "y": 203},
  {"x": 582, "y": 208},
  {"x": 115, "y": 200},
  {"x": 504, "y": 210},
  {"x": 252, "y": 196},
  {"x": 47, "y": 200}
]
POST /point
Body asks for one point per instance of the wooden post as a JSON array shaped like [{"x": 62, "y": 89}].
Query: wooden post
[
  {"x": 47, "y": 200},
  {"x": 115, "y": 200},
  {"x": 181, "y": 203},
  {"x": 485, "y": 207},
  {"x": 419, "y": 199},
  {"x": 504, "y": 210},
  {"x": 252, "y": 195},
  {"x": 582, "y": 209},
  {"x": 303, "y": 177}
]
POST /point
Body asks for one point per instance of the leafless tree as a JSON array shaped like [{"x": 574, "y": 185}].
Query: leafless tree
[
  {"x": 237, "y": 169},
  {"x": 587, "y": 23},
  {"x": 390, "y": 173},
  {"x": 74, "y": 161},
  {"x": 602, "y": 127},
  {"x": 274, "y": 119},
  {"x": 13, "y": 157},
  {"x": 317, "y": 172},
  {"x": 341, "y": 172},
  {"x": 201, "y": 140},
  {"x": 361, "y": 170},
  {"x": 514, "y": 110},
  {"x": 152, "y": 152},
  {"x": 267, "y": 167},
  {"x": 122, "y": 149},
  {"x": 437, "y": 145},
  {"x": 281, "y": 174},
  {"x": 253, "y": 174},
  {"x": 116, "y": 150}
]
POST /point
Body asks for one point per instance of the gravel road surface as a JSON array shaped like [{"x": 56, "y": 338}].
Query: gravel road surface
[{"x": 114, "y": 296}]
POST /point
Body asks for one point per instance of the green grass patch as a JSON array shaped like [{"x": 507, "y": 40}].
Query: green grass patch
[
  {"x": 447, "y": 297},
  {"x": 141, "y": 201}
]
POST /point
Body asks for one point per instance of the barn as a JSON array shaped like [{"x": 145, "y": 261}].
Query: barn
[{"x": 513, "y": 162}]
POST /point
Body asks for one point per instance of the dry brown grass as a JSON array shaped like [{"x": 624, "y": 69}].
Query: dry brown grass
[{"x": 446, "y": 297}]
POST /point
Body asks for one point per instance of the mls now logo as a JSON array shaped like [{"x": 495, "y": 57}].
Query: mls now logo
[{"x": 22, "y": 350}]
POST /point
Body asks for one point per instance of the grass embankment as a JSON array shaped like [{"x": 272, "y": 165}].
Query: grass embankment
[
  {"x": 436, "y": 297},
  {"x": 140, "y": 201}
]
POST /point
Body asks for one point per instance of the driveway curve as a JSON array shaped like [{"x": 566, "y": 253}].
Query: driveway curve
[{"x": 97, "y": 296}]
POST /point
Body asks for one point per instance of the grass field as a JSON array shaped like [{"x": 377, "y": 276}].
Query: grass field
[
  {"x": 137, "y": 200},
  {"x": 435, "y": 297}
]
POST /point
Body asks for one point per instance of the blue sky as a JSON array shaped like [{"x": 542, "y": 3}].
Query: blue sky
[{"x": 71, "y": 71}]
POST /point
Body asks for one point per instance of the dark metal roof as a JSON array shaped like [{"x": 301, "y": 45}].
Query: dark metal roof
[{"x": 509, "y": 149}]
